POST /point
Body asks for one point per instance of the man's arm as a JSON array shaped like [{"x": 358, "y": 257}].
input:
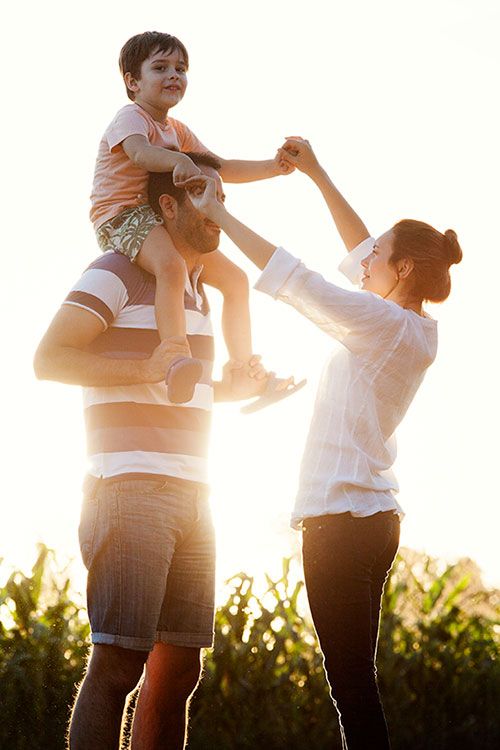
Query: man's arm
[
  {"x": 62, "y": 355},
  {"x": 349, "y": 225}
]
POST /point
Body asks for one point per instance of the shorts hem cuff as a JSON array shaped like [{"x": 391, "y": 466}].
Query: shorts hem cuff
[
  {"x": 191, "y": 640},
  {"x": 124, "y": 641}
]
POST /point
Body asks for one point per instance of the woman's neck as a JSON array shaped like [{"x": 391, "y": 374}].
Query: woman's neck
[{"x": 404, "y": 299}]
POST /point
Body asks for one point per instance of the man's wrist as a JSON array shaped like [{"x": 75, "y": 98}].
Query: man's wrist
[{"x": 144, "y": 372}]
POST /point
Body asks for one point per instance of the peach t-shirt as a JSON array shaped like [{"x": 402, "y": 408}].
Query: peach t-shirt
[{"x": 118, "y": 183}]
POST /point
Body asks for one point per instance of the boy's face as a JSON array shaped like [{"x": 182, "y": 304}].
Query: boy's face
[{"x": 162, "y": 82}]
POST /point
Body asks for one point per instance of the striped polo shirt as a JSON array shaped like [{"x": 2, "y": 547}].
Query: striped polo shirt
[{"x": 135, "y": 429}]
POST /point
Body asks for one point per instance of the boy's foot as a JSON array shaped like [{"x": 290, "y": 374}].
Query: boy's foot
[
  {"x": 181, "y": 379},
  {"x": 272, "y": 393}
]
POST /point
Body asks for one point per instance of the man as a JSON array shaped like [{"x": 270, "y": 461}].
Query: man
[{"x": 146, "y": 534}]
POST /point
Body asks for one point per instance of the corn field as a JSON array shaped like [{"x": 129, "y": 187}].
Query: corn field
[{"x": 263, "y": 683}]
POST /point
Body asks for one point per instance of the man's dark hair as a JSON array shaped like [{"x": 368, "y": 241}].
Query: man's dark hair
[
  {"x": 161, "y": 183},
  {"x": 141, "y": 46}
]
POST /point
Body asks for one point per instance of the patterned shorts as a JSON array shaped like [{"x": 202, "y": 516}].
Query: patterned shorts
[{"x": 126, "y": 232}]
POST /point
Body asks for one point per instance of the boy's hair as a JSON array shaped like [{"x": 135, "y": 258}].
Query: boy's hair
[
  {"x": 141, "y": 46},
  {"x": 161, "y": 183}
]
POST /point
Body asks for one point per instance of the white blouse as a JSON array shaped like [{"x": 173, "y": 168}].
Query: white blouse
[{"x": 365, "y": 389}]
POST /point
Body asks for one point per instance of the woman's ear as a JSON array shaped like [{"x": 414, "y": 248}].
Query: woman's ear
[{"x": 405, "y": 267}]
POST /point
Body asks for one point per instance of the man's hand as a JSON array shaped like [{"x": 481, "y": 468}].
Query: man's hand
[
  {"x": 184, "y": 170},
  {"x": 155, "y": 368},
  {"x": 297, "y": 152},
  {"x": 242, "y": 381}
]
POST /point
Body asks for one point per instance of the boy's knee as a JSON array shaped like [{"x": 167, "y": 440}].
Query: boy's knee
[{"x": 170, "y": 265}]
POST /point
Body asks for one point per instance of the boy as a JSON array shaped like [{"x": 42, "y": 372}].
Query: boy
[{"x": 142, "y": 139}]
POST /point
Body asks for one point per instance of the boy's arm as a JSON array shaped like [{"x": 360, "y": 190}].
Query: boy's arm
[
  {"x": 157, "y": 159},
  {"x": 349, "y": 225},
  {"x": 62, "y": 355},
  {"x": 239, "y": 170}
]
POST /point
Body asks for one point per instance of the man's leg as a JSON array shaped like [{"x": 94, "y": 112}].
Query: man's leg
[
  {"x": 113, "y": 672},
  {"x": 172, "y": 674}
]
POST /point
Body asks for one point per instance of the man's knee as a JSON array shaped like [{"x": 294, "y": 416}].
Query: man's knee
[
  {"x": 173, "y": 672},
  {"x": 120, "y": 669}
]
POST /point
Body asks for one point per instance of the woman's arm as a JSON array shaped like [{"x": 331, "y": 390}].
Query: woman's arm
[
  {"x": 298, "y": 153},
  {"x": 351, "y": 317}
]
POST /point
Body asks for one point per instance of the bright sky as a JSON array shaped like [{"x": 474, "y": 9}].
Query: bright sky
[{"x": 399, "y": 100}]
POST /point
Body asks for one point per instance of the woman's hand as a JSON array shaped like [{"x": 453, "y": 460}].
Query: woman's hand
[
  {"x": 202, "y": 192},
  {"x": 298, "y": 153}
]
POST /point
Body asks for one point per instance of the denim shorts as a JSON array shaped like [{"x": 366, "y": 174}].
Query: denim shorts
[
  {"x": 149, "y": 548},
  {"x": 125, "y": 233}
]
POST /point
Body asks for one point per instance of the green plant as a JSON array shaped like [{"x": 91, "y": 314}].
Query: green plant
[
  {"x": 263, "y": 684},
  {"x": 43, "y": 644}
]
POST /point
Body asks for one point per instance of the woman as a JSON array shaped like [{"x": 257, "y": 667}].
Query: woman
[{"x": 346, "y": 504}]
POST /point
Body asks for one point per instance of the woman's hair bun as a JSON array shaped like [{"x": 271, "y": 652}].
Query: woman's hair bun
[{"x": 453, "y": 246}]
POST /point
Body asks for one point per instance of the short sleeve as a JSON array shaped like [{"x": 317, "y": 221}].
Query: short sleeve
[
  {"x": 128, "y": 121},
  {"x": 101, "y": 291},
  {"x": 187, "y": 139}
]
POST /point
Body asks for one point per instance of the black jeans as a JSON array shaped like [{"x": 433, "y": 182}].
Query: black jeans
[{"x": 346, "y": 563}]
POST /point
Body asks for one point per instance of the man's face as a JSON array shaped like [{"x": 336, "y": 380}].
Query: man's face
[
  {"x": 163, "y": 80},
  {"x": 193, "y": 228}
]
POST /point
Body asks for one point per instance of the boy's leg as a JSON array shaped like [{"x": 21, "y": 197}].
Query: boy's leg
[
  {"x": 232, "y": 282},
  {"x": 113, "y": 672},
  {"x": 159, "y": 257},
  {"x": 172, "y": 674}
]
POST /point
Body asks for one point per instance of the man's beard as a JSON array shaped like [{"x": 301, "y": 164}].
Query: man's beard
[{"x": 195, "y": 233}]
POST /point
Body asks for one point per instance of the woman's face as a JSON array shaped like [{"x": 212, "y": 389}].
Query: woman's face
[{"x": 380, "y": 276}]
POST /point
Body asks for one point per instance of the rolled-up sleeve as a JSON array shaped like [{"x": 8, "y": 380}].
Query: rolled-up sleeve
[
  {"x": 355, "y": 318},
  {"x": 351, "y": 265}
]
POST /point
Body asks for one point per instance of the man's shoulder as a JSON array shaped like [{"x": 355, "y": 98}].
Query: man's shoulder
[{"x": 120, "y": 266}]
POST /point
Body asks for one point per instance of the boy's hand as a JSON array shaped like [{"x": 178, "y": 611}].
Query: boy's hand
[
  {"x": 298, "y": 153},
  {"x": 202, "y": 192},
  {"x": 184, "y": 170},
  {"x": 282, "y": 165}
]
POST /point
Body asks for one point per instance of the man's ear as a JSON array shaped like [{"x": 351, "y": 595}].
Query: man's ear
[
  {"x": 405, "y": 267},
  {"x": 131, "y": 82},
  {"x": 168, "y": 206}
]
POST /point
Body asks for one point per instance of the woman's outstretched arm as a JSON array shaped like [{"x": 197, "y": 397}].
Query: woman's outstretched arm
[
  {"x": 352, "y": 317},
  {"x": 298, "y": 153}
]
